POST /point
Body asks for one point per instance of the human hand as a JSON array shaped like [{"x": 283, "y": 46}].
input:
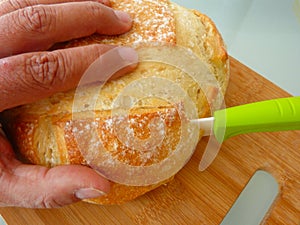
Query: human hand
[{"x": 29, "y": 72}]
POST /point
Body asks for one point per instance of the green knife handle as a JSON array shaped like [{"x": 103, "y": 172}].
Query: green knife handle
[{"x": 272, "y": 115}]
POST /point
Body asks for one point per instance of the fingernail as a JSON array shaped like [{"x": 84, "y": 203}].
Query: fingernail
[
  {"x": 86, "y": 193},
  {"x": 128, "y": 54},
  {"x": 123, "y": 16}
]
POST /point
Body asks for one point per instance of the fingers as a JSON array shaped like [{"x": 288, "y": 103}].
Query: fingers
[
  {"x": 38, "y": 27},
  {"x": 40, "y": 187},
  {"x": 34, "y": 186},
  {"x": 32, "y": 76},
  {"x": 60, "y": 185},
  {"x": 7, "y": 6}
]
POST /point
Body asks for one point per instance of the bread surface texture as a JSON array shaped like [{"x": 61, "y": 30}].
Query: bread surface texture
[{"x": 47, "y": 132}]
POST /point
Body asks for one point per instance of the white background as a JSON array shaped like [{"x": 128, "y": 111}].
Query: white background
[{"x": 262, "y": 34}]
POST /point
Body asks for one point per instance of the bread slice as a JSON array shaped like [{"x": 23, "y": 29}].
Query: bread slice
[{"x": 47, "y": 133}]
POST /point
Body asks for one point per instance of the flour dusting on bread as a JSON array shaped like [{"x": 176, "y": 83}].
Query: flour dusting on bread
[{"x": 153, "y": 21}]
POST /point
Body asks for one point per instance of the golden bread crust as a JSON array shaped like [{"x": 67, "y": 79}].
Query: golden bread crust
[
  {"x": 45, "y": 132},
  {"x": 153, "y": 22}
]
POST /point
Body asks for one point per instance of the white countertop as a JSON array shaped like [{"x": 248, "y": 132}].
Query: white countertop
[{"x": 262, "y": 34}]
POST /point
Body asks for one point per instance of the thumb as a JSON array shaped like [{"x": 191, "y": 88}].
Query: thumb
[{"x": 33, "y": 186}]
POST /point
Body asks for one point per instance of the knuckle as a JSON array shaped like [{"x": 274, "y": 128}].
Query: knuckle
[
  {"x": 49, "y": 202},
  {"x": 95, "y": 9},
  {"x": 14, "y": 5},
  {"x": 35, "y": 18},
  {"x": 45, "y": 70}
]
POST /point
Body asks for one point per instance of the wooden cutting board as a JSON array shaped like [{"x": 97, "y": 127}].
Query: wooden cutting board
[{"x": 195, "y": 197}]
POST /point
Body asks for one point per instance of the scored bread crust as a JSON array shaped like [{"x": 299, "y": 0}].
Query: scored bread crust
[{"x": 45, "y": 132}]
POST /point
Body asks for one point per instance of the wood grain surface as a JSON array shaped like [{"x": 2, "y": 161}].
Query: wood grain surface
[{"x": 195, "y": 197}]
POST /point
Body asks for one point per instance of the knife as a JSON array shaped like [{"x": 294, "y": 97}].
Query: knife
[{"x": 266, "y": 116}]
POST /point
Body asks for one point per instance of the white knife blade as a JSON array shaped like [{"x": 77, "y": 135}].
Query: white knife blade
[{"x": 213, "y": 145}]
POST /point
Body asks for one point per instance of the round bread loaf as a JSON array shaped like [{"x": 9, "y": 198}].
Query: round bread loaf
[{"x": 45, "y": 132}]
